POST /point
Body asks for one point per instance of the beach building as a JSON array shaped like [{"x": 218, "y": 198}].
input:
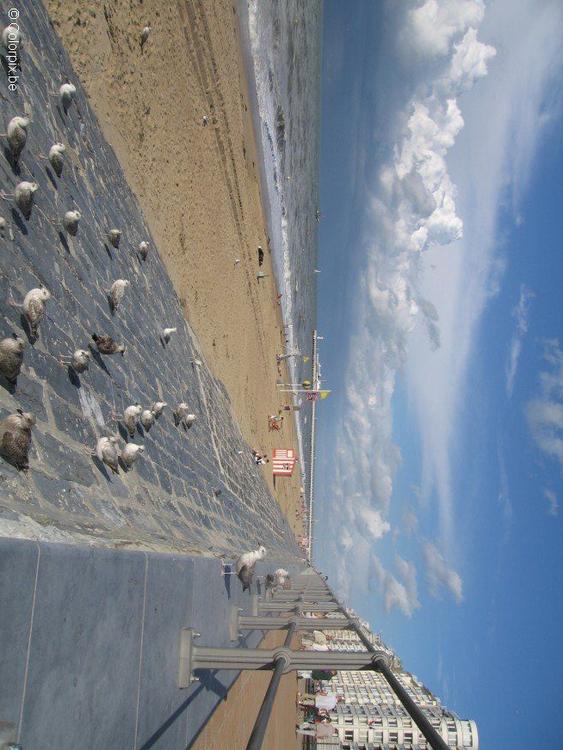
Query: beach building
[{"x": 370, "y": 716}]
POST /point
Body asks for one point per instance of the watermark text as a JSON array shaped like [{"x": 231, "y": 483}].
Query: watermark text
[{"x": 12, "y": 45}]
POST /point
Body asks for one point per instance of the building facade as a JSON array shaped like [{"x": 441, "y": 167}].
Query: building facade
[{"x": 371, "y": 717}]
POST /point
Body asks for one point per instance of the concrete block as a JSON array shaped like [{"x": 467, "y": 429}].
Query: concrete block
[
  {"x": 18, "y": 567},
  {"x": 85, "y": 649},
  {"x": 162, "y": 714}
]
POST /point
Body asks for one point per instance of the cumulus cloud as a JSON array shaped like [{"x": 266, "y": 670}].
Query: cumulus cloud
[
  {"x": 412, "y": 208},
  {"x": 402, "y": 317},
  {"x": 375, "y": 526},
  {"x": 520, "y": 314},
  {"x": 431, "y": 26},
  {"x": 551, "y": 498},
  {"x": 490, "y": 164},
  {"x": 545, "y": 412},
  {"x": 400, "y": 594},
  {"x": 439, "y": 574}
]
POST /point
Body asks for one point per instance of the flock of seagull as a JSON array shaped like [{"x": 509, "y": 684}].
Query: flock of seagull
[
  {"x": 244, "y": 568},
  {"x": 15, "y": 430}
]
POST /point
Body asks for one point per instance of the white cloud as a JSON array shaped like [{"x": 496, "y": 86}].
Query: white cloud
[
  {"x": 402, "y": 595},
  {"x": 551, "y": 498},
  {"x": 439, "y": 574},
  {"x": 431, "y": 26},
  {"x": 346, "y": 540},
  {"x": 520, "y": 314},
  {"x": 374, "y": 523},
  {"x": 412, "y": 208},
  {"x": 545, "y": 412},
  {"x": 410, "y": 522},
  {"x": 421, "y": 186},
  {"x": 491, "y": 165}
]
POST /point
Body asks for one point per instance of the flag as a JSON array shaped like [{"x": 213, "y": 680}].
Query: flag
[{"x": 314, "y": 395}]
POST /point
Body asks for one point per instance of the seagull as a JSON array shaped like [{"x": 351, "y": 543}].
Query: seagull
[
  {"x": 106, "y": 451},
  {"x": 34, "y": 307},
  {"x": 166, "y": 333},
  {"x": 11, "y": 357},
  {"x": 56, "y": 157},
  {"x": 23, "y": 196},
  {"x": 281, "y": 576},
  {"x": 130, "y": 416},
  {"x": 130, "y": 453},
  {"x": 158, "y": 407},
  {"x": 116, "y": 293},
  {"x": 145, "y": 33},
  {"x": 244, "y": 566},
  {"x": 66, "y": 95},
  {"x": 70, "y": 222},
  {"x": 79, "y": 362},
  {"x": 182, "y": 415},
  {"x": 17, "y": 135},
  {"x": 11, "y": 35},
  {"x": 147, "y": 419},
  {"x": 106, "y": 345},
  {"x": 114, "y": 236},
  {"x": 15, "y": 438}
]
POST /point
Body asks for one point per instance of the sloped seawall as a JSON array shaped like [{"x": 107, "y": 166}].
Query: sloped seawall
[{"x": 192, "y": 490}]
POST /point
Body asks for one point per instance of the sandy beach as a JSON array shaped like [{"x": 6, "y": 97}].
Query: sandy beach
[
  {"x": 197, "y": 184},
  {"x": 198, "y": 187}
]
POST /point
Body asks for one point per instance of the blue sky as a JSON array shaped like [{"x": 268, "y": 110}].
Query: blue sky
[{"x": 440, "y": 453}]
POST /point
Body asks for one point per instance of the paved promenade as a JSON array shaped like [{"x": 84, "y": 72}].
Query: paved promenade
[
  {"x": 193, "y": 490},
  {"x": 94, "y": 640}
]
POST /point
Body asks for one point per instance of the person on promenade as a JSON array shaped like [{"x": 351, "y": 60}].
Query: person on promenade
[
  {"x": 319, "y": 730},
  {"x": 323, "y": 701}
]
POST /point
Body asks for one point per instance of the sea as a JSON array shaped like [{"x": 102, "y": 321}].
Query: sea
[{"x": 281, "y": 42}]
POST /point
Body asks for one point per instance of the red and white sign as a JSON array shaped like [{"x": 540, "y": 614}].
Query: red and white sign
[{"x": 283, "y": 461}]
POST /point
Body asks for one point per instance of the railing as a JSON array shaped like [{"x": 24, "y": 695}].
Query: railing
[{"x": 310, "y": 594}]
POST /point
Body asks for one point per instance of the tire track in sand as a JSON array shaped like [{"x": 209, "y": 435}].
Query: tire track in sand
[{"x": 203, "y": 59}]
